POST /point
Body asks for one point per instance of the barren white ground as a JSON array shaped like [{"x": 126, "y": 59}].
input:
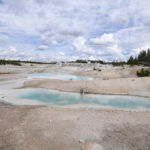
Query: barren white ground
[{"x": 47, "y": 128}]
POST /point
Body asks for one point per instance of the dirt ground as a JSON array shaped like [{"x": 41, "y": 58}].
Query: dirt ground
[{"x": 46, "y": 128}]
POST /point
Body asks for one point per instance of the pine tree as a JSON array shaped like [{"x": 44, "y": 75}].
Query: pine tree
[{"x": 131, "y": 60}]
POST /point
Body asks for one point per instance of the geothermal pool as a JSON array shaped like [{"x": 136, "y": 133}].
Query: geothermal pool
[
  {"x": 57, "y": 76},
  {"x": 56, "y": 98}
]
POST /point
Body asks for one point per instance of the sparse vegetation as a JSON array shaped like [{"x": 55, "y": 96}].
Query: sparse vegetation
[
  {"x": 121, "y": 63},
  {"x": 98, "y": 69},
  {"x": 94, "y": 68},
  {"x": 10, "y": 62},
  {"x": 143, "y": 73},
  {"x": 81, "y": 61},
  {"x": 18, "y": 62},
  {"x": 91, "y": 61},
  {"x": 96, "y": 61},
  {"x": 132, "y": 61}
]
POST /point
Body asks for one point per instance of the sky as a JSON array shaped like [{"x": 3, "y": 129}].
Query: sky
[{"x": 67, "y": 30}]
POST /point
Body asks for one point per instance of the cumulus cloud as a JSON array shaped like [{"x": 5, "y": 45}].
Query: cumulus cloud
[
  {"x": 108, "y": 45},
  {"x": 12, "y": 53},
  {"x": 136, "y": 51},
  {"x": 80, "y": 46},
  {"x": 91, "y": 58},
  {"x": 42, "y": 47},
  {"x": 12, "y": 49},
  {"x": 105, "y": 39},
  {"x": 105, "y": 46},
  {"x": 59, "y": 34},
  {"x": 61, "y": 53}
]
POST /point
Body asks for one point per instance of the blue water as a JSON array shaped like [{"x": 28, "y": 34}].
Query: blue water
[
  {"x": 58, "y": 76},
  {"x": 54, "y": 98}
]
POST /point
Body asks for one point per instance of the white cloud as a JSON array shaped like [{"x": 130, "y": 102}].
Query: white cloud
[
  {"x": 55, "y": 22},
  {"x": 136, "y": 51},
  {"x": 74, "y": 58},
  {"x": 42, "y": 47},
  {"x": 53, "y": 35},
  {"x": 12, "y": 53},
  {"x": 91, "y": 58},
  {"x": 105, "y": 46},
  {"x": 61, "y": 53},
  {"x": 80, "y": 46},
  {"x": 12, "y": 49},
  {"x": 105, "y": 39}
]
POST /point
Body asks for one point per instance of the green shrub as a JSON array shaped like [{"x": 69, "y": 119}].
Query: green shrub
[
  {"x": 94, "y": 68},
  {"x": 121, "y": 63},
  {"x": 81, "y": 61},
  {"x": 97, "y": 69},
  {"x": 143, "y": 73}
]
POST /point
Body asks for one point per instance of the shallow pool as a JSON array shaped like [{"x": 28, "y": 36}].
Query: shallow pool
[
  {"x": 58, "y": 76},
  {"x": 55, "y": 98}
]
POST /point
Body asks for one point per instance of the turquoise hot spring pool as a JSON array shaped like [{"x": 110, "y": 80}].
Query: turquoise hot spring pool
[
  {"x": 56, "y": 98},
  {"x": 58, "y": 76}
]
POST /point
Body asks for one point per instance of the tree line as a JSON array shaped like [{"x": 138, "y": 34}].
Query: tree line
[
  {"x": 10, "y": 62},
  {"x": 18, "y": 62},
  {"x": 142, "y": 58}
]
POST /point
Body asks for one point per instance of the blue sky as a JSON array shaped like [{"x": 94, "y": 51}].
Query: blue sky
[{"x": 48, "y": 30}]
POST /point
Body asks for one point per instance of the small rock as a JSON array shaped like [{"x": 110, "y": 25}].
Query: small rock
[{"x": 81, "y": 141}]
